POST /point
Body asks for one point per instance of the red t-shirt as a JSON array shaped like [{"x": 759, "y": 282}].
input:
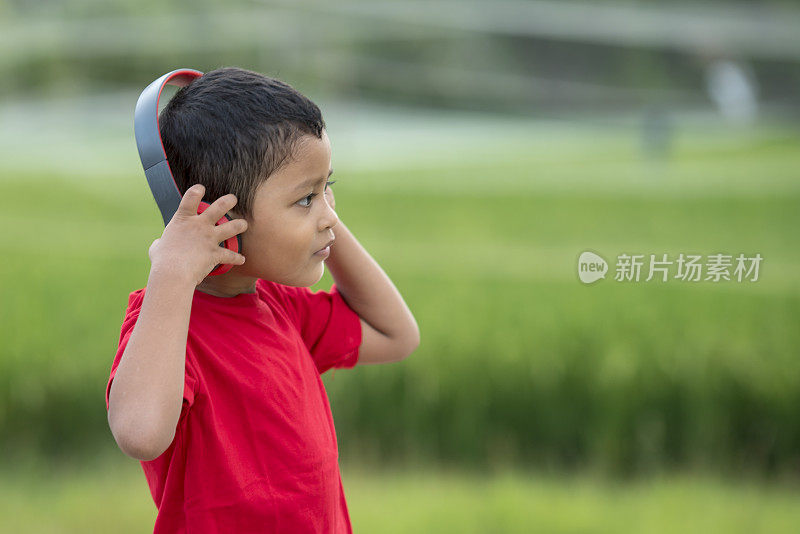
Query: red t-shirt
[{"x": 255, "y": 448}]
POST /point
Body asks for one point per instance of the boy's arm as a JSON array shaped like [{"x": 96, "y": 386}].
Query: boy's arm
[
  {"x": 389, "y": 330},
  {"x": 146, "y": 396},
  {"x": 147, "y": 390}
]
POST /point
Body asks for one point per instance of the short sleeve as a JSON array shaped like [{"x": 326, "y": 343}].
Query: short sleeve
[
  {"x": 131, "y": 316},
  {"x": 330, "y": 328}
]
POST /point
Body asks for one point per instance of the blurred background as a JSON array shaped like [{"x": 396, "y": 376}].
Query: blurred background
[{"x": 479, "y": 148}]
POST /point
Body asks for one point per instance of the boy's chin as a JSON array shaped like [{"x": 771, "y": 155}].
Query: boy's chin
[
  {"x": 315, "y": 277},
  {"x": 321, "y": 271},
  {"x": 312, "y": 278}
]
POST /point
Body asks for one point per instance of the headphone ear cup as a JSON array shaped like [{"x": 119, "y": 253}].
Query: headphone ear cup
[{"x": 232, "y": 243}]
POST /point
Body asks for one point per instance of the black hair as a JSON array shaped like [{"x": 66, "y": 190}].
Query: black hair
[{"x": 231, "y": 128}]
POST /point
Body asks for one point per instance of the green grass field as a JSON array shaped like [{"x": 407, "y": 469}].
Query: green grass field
[
  {"x": 111, "y": 496},
  {"x": 520, "y": 367}
]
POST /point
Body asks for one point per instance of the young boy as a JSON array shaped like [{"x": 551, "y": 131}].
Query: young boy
[{"x": 216, "y": 384}]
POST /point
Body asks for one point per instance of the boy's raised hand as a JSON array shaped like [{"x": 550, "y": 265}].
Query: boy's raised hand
[{"x": 189, "y": 247}]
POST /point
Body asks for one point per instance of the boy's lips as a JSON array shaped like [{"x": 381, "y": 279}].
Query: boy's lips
[{"x": 329, "y": 243}]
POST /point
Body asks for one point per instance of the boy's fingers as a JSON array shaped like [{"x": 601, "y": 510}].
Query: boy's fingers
[
  {"x": 219, "y": 207},
  {"x": 191, "y": 200},
  {"x": 230, "y": 228},
  {"x": 230, "y": 257}
]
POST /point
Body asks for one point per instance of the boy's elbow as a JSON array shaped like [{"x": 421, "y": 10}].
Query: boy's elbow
[
  {"x": 414, "y": 343},
  {"x": 415, "y": 336},
  {"x": 141, "y": 449},
  {"x": 411, "y": 342},
  {"x": 142, "y": 446}
]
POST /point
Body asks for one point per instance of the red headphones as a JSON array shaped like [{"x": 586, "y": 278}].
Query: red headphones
[{"x": 154, "y": 158}]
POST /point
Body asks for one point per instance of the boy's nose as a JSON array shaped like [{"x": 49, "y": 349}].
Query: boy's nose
[{"x": 329, "y": 218}]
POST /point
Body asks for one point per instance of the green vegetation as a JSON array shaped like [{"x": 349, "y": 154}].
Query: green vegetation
[
  {"x": 520, "y": 364},
  {"x": 111, "y": 496}
]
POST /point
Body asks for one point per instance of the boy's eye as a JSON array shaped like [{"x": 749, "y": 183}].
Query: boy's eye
[
  {"x": 312, "y": 195},
  {"x": 309, "y": 197}
]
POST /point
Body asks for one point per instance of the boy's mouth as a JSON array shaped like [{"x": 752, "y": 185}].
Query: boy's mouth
[{"x": 326, "y": 247}]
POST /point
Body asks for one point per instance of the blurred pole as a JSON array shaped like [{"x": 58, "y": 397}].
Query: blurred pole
[
  {"x": 656, "y": 134},
  {"x": 733, "y": 89}
]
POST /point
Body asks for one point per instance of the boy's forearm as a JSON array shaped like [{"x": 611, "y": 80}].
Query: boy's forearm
[
  {"x": 367, "y": 288},
  {"x": 147, "y": 391}
]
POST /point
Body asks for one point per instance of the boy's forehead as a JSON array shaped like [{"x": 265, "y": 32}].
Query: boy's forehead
[
  {"x": 303, "y": 179},
  {"x": 310, "y": 165},
  {"x": 296, "y": 178}
]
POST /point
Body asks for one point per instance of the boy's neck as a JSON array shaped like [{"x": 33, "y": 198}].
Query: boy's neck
[{"x": 227, "y": 286}]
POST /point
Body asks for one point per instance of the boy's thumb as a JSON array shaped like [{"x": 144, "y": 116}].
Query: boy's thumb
[{"x": 191, "y": 199}]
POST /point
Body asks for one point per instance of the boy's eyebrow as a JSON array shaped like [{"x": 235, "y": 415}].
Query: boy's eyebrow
[{"x": 312, "y": 181}]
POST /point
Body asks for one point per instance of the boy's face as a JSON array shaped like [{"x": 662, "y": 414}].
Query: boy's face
[{"x": 288, "y": 224}]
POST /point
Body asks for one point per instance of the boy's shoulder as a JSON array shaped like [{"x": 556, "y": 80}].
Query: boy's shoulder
[{"x": 271, "y": 293}]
